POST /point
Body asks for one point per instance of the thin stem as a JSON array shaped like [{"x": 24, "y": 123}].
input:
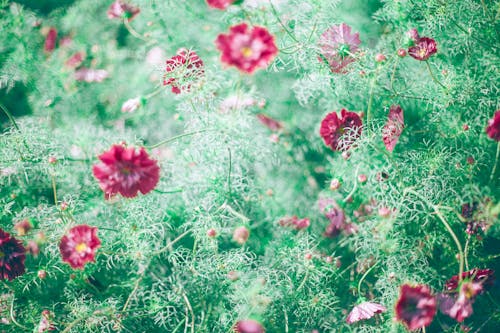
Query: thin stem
[
  {"x": 303, "y": 281},
  {"x": 177, "y": 137},
  {"x": 229, "y": 173},
  {"x": 370, "y": 100},
  {"x": 9, "y": 115},
  {"x": 434, "y": 78},
  {"x": 186, "y": 300},
  {"x": 177, "y": 190},
  {"x": 169, "y": 245},
  {"x": 393, "y": 75},
  {"x": 286, "y": 320},
  {"x": 364, "y": 276},
  {"x": 154, "y": 93},
  {"x": 495, "y": 163},
  {"x": 466, "y": 252},
  {"x": 288, "y": 32},
  {"x": 12, "y": 315},
  {"x": 132, "y": 31},
  {"x": 132, "y": 294},
  {"x": 54, "y": 188},
  {"x": 355, "y": 186}
]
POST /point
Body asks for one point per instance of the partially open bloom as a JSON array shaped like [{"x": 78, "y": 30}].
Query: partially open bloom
[
  {"x": 423, "y": 47},
  {"x": 363, "y": 311},
  {"x": 338, "y": 46},
  {"x": 336, "y": 217},
  {"x": 340, "y": 133},
  {"x": 493, "y": 128},
  {"x": 50, "y": 40},
  {"x": 23, "y": 227},
  {"x": 183, "y": 69},
  {"x": 393, "y": 127},
  {"x": 241, "y": 234},
  {"x": 416, "y": 306},
  {"x": 247, "y": 48},
  {"x": 459, "y": 306},
  {"x": 248, "y": 326},
  {"x": 483, "y": 276},
  {"x": 269, "y": 122},
  {"x": 79, "y": 245},
  {"x": 75, "y": 60},
  {"x": 12, "y": 257},
  {"x": 131, "y": 105},
  {"x": 220, "y": 4},
  {"x": 122, "y": 10},
  {"x": 126, "y": 171},
  {"x": 91, "y": 75}
]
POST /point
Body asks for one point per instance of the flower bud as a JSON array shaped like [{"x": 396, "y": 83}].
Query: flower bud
[{"x": 240, "y": 235}]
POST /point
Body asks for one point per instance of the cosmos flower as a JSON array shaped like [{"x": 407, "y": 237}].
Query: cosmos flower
[
  {"x": 423, "y": 47},
  {"x": 416, "y": 306},
  {"x": 483, "y": 276},
  {"x": 363, "y": 311},
  {"x": 248, "y": 49},
  {"x": 131, "y": 105},
  {"x": 120, "y": 9},
  {"x": 75, "y": 60},
  {"x": 248, "y": 326},
  {"x": 12, "y": 257},
  {"x": 493, "y": 128},
  {"x": 472, "y": 215},
  {"x": 459, "y": 306},
  {"x": 127, "y": 171},
  {"x": 220, "y": 4},
  {"x": 393, "y": 127},
  {"x": 338, "y": 46},
  {"x": 241, "y": 234},
  {"x": 336, "y": 217},
  {"x": 79, "y": 245},
  {"x": 340, "y": 133},
  {"x": 295, "y": 222},
  {"x": 183, "y": 69}
]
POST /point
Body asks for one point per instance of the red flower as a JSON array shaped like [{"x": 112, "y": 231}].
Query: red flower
[
  {"x": 126, "y": 171},
  {"x": 12, "y": 257},
  {"x": 220, "y": 4},
  {"x": 416, "y": 306},
  {"x": 338, "y": 46},
  {"x": 120, "y": 9},
  {"x": 248, "y": 326},
  {"x": 50, "y": 40},
  {"x": 424, "y": 48},
  {"x": 182, "y": 69},
  {"x": 269, "y": 122},
  {"x": 363, "y": 311},
  {"x": 79, "y": 245},
  {"x": 459, "y": 307},
  {"x": 247, "y": 49},
  {"x": 493, "y": 129},
  {"x": 340, "y": 133},
  {"x": 393, "y": 127},
  {"x": 483, "y": 276}
]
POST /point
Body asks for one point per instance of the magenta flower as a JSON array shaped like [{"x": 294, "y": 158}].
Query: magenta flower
[
  {"x": 241, "y": 234},
  {"x": 393, "y": 127},
  {"x": 50, "y": 40},
  {"x": 423, "y": 48},
  {"x": 248, "y": 326},
  {"x": 120, "y": 10},
  {"x": 12, "y": 257},
  {"x": 336, "y": 217},
  {"x": 459, "y": 306},
  {"x": 183, "y": 69},
  {"x": 75, "y": 60},
  {"x": 295, "y": 222},
  {"x": 248, "y": 49},
  {"x": 79, "y": 245},
  {"x": 338, "y": 46},
  {"x": 126, "y": 171},
  {"x": 340, "y": 133},
  {"x": 416, "y": 306},
  {"x": 493, "y": 128},
  {"x": 364, "y": 311},
  {"x": 220, "y": 4},
  {"x": 482, "y": 276}
]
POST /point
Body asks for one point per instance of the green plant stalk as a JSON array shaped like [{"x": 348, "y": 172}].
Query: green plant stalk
[
  {"x": 495, "y": 163},
  {"x": 364, "y": 276},
  {"x": 177, "y": 137},
  {"x": 434, "y": 78}
]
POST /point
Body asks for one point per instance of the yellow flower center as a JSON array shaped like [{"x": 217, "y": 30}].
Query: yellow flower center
[
  {"x": 246, "y": 51},
  {"x": 81, "y": 247},
  {"x": 2, "y": 254}
]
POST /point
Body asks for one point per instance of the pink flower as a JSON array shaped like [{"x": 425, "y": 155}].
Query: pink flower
[
  {"x": 12, "y": 257},
  {"x": 483, "y": 276},
  {"x": 75, "y": 60},
  {"x": 120, "y": 9},
  {"x": 91, "y": 75},
  {"x": 493, "y": 128},
  {"x": 338, "y": 46},
  {"x": 363, "y": 311},
  {"x": 247, "y": 48},
  {"x": 220, "y": 4},
  {"x": 295, "y": 222},
  {"x": 416, "y": 306},
  {"x": 182, "y": 69},
  {"x": 459, "y": 306},
  {"x": 423, "y": 49},
  {"x": 340, "y": 133},
  {"x": 131, "y": 105},
  {"x": 23, "y": 227},
  {"x": 50, "y": 40},
  {"x": 393, "y": 127},
  {"x": 241, "y": 234},
  {"x": 126, "y": 171},
  {"x": 336, "y": 217},
  {"x": 269, "y": 122},
  {"x": 46, "y": 323},
  {"x": 79, "y": 246},
  {"x": 248, "y": 326}
]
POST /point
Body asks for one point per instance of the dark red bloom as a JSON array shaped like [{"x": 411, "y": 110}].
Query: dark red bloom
[
  {"x": 336, "y": 217},
  {"x": 50, "y": 40},
  {"x": 269, "y": 122},
  {"x": 483, "y": 276},
  {"x": 393, "y": 127},
  {"x": 459, "y": 306},
  {"x": 126, "y": 171},
  {"x": 220, "y": 4},
  {"x": 338, "y": 46},
  {"x": 183, "y": 69},
  {"x": 247, "y": 48},
  {"x": 120, "y": 9},
  {"x": 424, "y": 48},
  {"x": 79, "y": 245},
  {"x": 493, "y": 128},
  {"x": 248, "y": 326},
  {"x": 12, "y": 257},
  {"x": 364, "y": 311},
  {"x": 416, "y": 306},
  {"x": 340, "y": 133}
]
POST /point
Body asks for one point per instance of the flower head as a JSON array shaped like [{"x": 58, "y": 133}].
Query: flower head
[
  {"x": 393, "y": 127},
  {"x": 269, "y": 122},
  {"x": 183, "y": 69},
  {"x": 12, "y": 257},
  {"x": 79, "y": 245},
  {"x": 416, "y": 306},
  {"x": 336, "y": 217},
  {"x": 220, "y": 4},
  {"x": 120, "y": 9},
  {"x": 91, "y": 75},
  {"x": 247, "y": 48},
  {"x": 340, "y": 133},
  {"x": 241, "y": 234},
  {"x": 423, "y": 49},
  {"x": 482, "y": 276},
  {"x": 126, "y": 171},
  {"x": 131, "y": 105},
  {"x": 295, "y": 222},
  {"x": 50, "y": 40},
  {"x": 473, "y": 218},
  {"x": 75, "y": 60},
  {"x": 23, "y": 227},
  {"x": 338, "y": 46},
  {"x": 248, "y": 326},
  {"x": 363, "y": 311},
  {"x": 493, "y": 128},
  {"x": 459, "y": 306}
]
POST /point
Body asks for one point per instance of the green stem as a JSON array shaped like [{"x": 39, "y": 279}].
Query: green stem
[
  {"x": 177, "y": 137},
  {"x": 370, "y": 100},
  {"x": 9, "y": 115},
  {"x": 54, "y": 188},
  {"x": 355, "y": 186},
  {"x": 363, "y": 278},
  {"x": 154, "y": 93},
  {"x": 132, "y": 31},
  {"x": 495, "y": 163},
  {"x": 275, "y": 12},
  {"x": 12, "y": 315},
  {"x": 169, "y": 245},
  {"x": 229, "y": 173},
  {"x": 434, "y": 78}
]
